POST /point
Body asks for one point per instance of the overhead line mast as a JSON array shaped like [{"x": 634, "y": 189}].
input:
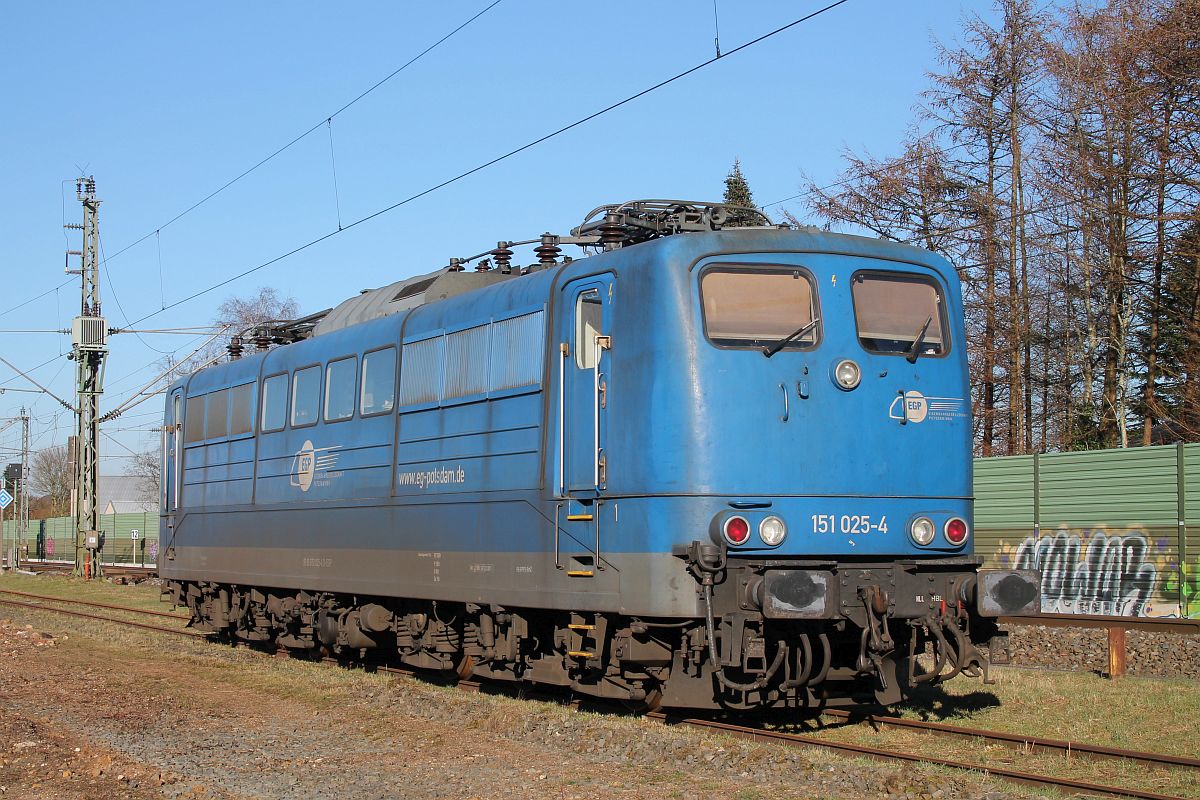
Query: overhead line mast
[
  {"x": 16, "y": 482},
  {"x": 89, "y": 346}
]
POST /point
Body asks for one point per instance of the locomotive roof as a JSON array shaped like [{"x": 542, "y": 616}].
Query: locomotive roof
[
  {"x": 710, "y": 228},
  {"x": 403, "y": 295}
]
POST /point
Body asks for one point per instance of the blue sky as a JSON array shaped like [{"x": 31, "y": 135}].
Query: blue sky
[{"x": 164, "y": 103}]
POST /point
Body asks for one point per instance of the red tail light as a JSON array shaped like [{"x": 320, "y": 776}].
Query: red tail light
[
  {"x": 736, "y": 530},
  {"x": 956, "y": 531}
]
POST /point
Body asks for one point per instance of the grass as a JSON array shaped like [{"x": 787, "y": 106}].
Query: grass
[
  {"x": 68, "y": 587},
  {"x": 1132, "y": 713}
]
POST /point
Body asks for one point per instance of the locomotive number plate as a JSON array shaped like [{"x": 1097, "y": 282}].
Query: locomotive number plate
[{"x": 849, "y": 523}]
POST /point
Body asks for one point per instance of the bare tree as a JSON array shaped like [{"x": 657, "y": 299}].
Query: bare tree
[
  {"x": 241, "y": 313},
  {"x": 147, "y": 468},
  {"x": 1056, "y": 162},
  {"x": 237, "y": 315},
  {"x": 51, "y": 477}
]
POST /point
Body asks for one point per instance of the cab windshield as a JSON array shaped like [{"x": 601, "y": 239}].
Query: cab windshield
[
  {"x": 893, "y": 312},
  {"x": 755, "y": 309}
]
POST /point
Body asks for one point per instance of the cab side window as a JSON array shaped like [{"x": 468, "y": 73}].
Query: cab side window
[
  {"x": 589, "y": 322},
  {"x": 340, "y": 378},
  {"x": 306, "y": 396},
  {"x": 193, "y": 425},
  {"x": 274, "y": 404},
  {"x": 378, "y": 382}
]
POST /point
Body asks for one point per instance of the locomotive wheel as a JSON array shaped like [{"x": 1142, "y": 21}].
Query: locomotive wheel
[
  {"x": 651, "y": 702},
  {"x": 465, "y": 665}
]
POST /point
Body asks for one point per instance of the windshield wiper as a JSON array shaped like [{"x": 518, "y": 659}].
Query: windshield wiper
[
  {"x": 775, "y": 348},
  {"x": 913, "y": 352}
]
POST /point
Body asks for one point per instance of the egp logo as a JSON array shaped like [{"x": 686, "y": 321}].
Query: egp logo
[
  {"x": 310, "y": 460},
  {"x": 304, "y": 466},
  {"x": 911, "y": 407}
]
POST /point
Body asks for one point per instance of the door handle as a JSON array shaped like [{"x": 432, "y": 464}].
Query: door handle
[
  {"x": 557, "y": 509},
  {"x": 786, "y": 412},
  {"x": 564, "y": 351}
]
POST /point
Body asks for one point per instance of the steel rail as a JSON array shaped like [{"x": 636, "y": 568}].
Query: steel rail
[
  {"x": 752, "y": 733},
  {"x": 85, "y": 615},
  {"x": 106, "y": 606},
  {"x": 1018, "y": 740},
  {"x": 1013, "y": 776}
]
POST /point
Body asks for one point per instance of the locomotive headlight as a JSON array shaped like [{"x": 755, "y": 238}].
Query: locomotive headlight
[
  {"x": 847, "y": 374},
  {"x": 772, "y": 531},
  {"x": 922, "y": 530}
]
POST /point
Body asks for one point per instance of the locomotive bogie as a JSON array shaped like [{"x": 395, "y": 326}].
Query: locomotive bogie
[{"x": 725, "y": 468}]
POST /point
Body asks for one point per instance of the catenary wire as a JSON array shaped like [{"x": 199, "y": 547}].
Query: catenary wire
[
  {"x": 306, "y": 133},
  {"x": 494, "y": 161}
]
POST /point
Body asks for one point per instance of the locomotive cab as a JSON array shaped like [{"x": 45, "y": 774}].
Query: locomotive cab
[{"x": 838, "y": 437}]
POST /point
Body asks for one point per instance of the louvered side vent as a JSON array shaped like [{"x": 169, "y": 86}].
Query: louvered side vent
[
  {"x": 89, "y": 333},
  {"x": 517, "y": 354},
  {"x": 421, "y": 371}
]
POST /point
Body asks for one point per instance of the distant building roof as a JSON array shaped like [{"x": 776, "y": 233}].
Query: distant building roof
[{"x": 123, "y": 494}]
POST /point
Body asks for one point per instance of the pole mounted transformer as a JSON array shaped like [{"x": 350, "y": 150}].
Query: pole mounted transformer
[{"x": 89, "y": 346}]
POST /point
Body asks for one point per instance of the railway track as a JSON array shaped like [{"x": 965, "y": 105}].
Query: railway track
[
  {"x": 110, "y": 570},
  {"x": 1027, "y": 744}
]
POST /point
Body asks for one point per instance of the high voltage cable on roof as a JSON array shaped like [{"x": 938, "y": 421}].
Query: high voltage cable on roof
[
  {"x": 495, "y": 160},
  {"x": 324, "y": 120}
]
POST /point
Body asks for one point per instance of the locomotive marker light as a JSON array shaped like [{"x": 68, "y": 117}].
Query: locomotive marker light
[
  {"x": 956, "y": 531},
  {"x": 736, "y": 530},
  {"x": 772, "y": 531},
  {"x": 922, "y": 530},
  {"x": 847, "y": 374}
]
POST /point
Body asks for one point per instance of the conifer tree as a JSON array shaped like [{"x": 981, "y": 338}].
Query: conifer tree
[{"x": 737, "y": 193}]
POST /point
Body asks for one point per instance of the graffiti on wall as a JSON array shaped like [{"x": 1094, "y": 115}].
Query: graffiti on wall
[
  {"x": 1095, "y": 572},
  {"x": 1186, "y": 584}
]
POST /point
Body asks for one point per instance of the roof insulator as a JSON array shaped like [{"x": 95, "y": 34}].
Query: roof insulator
[
  {"x": 547, "y": 252},
  {"x": 503, "y": 255}
]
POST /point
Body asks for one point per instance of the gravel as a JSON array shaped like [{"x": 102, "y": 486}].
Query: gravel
[
  {"x": 1160, "y": 655},
  {"x": 203, "y": 721}
]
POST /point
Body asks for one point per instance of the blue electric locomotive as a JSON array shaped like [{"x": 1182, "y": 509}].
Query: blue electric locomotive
[{"x": 717, "y": 463}]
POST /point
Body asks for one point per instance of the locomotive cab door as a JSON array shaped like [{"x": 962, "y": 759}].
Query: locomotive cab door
[
  {"x": 583, "y": 377},
  {"x": 584, "y": 346}
]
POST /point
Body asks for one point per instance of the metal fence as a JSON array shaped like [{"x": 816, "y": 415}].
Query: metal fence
[
  {"x": 1113, "y": 531},
  {"x": 54, "y": 538}
]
